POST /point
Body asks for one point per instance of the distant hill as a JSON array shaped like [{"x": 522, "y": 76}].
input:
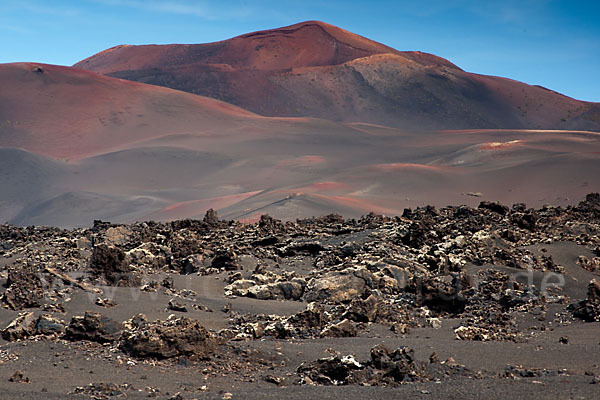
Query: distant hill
[{"x": 318, "y": 70}]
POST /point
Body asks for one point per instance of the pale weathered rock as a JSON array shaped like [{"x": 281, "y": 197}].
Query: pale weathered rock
[
  {"x": 117, "y": 235},
  {"x": 288, "y": 290},
  {"x": 339, "y": 287},
  {"x": 345, "y": 328},
  {"x": 20, "y": 328}
]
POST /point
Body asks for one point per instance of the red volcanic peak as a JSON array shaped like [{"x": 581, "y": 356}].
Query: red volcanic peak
[
  {"x": 313, "y": 69},
  {"x": 311, "y": 43}
]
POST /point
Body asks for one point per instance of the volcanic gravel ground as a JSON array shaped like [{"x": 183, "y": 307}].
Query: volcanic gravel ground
[{"x": 456, "y": 302}]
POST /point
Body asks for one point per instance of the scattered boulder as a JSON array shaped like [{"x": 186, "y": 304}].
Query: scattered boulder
[
  {"x": 277, "y": 380},
  {"x": 489, "y": 326},
  {"x": 211, "y": 217},
  {"x": 20, "y": 328},
  {"x": 25, "y": 288},
  {"x": 19, "y": 377},
  {"x": 494, "y": 206},
  {"x": 174, "y": 305},
  {"x": 116, "y": 235},
  {"x": 365, "y": 310},
  {"x": 329, "y": 371},
  {"x": 524, "y": 220},
  {"x": 589, "y": 309},
  {"x": 26, "y": 324},
  {"x": 268, "y": 224},
  {"x": 442, "y": 294},
  {"x": 227, "y": 260},
  {"x": 285, "y": 290},
  {"x": 110, "y": 262},
  {"x": 309, "y": 323},
  {"x": 589, "y": 265},
  {"x": 171, "y": 338},
  {"x": 399, "y": 365},
  {"x": 339, "y": 287},
  {"x": 384, "y": 368},
  {"x": 94, "y": 327},
  {"x": 314, "y": 317},
  {"x": 345, "y": 328},
  {"x": 47, "y": 325},
  {"x": 591, "y": 204},
  {"x": 102, "y": 390},
  {"x": 192, "y": 264},
  {"x": 148, "y": 255},
  {"x": 518, "y": 371},
  {"x": 416, "y": 234},
  {"x": 239, "y": 287},
  {"x": 563, "y": 340},
  {"x": 105, "y": 302}
]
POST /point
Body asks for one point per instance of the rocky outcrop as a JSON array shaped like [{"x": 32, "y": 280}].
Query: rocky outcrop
[
  {"x": 94, "y": 327},
  {"x": 385, "y": 367},
  {"x": 25, "y": 288},
  {"x": 166, "y": 339},
  {"x": 111, "y": 264},
  {"x": 589, "y": 309}
]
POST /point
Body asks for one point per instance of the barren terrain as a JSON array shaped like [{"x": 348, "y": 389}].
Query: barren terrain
[
  {"x": 457, "y": 302},
  {"x": 78, "y": 146}
]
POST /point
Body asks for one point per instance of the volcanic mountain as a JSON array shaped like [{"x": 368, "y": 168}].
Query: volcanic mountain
[{"x": 318, "y": 70}]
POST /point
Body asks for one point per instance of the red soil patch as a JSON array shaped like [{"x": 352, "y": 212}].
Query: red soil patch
[
  {"x": 404, "y": 166},
  {"x": 252, "y": 219},
  {"x": 301, "y": 161}
]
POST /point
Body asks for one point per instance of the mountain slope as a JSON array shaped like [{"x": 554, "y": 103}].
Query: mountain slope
[
  {"x": 315, "y": 69},
  {"x": 70, "y": 113},
  {"x": 77, "y": 146}
]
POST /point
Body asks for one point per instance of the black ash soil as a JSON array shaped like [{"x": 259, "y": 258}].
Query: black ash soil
[{"x": 458, "y": 302}]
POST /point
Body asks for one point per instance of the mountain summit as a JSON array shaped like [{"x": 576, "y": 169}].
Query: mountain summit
[
  {"x": 314, "y": 69},
  {"x": 306, "y": 44}
]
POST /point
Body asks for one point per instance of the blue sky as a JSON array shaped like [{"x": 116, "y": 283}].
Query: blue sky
[{"x": 553, "y": 43}]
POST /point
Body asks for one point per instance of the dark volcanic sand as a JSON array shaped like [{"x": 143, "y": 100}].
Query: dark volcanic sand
[{"x": 266, "y": 301}]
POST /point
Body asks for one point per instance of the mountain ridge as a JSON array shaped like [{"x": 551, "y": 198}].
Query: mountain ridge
[{"x": 314, "y": 69}]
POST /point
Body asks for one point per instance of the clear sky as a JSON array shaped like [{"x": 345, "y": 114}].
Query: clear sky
[{"x": 553, "y": 43}]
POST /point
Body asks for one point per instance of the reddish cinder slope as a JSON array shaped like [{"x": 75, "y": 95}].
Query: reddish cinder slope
[
  {"x": 318, "y": 70},
  {"x": 306, "y": 44},
  {"x": 65, "y": 112}
]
